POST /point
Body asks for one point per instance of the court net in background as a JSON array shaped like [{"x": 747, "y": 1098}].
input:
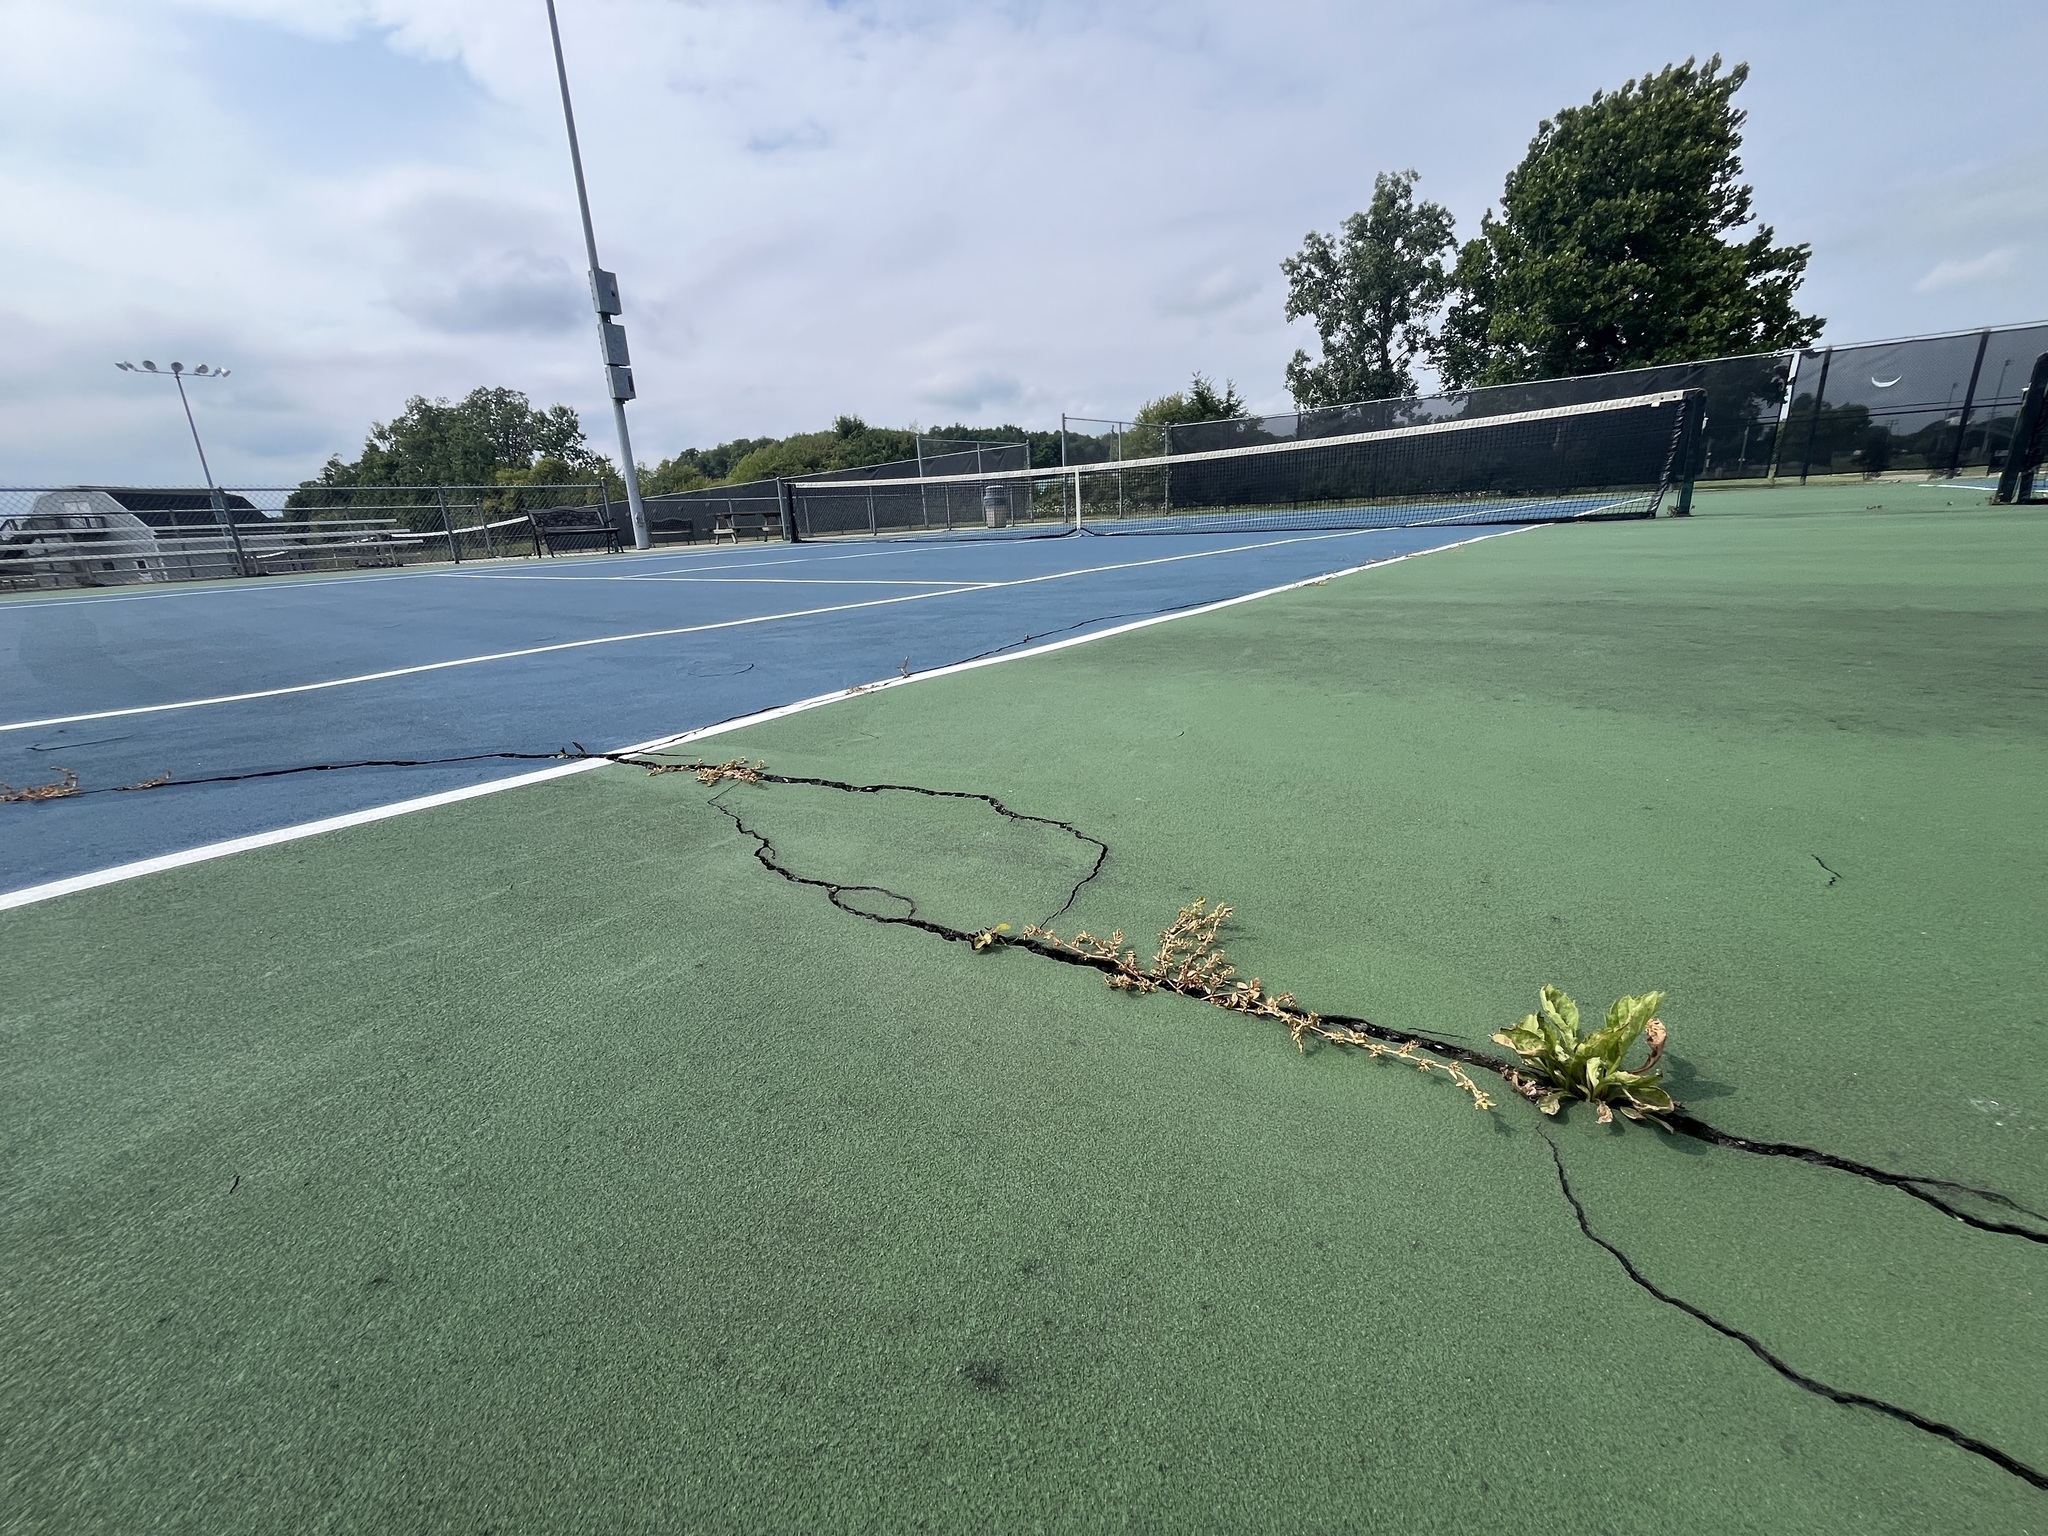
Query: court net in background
[{"x": 1603, "y": 459}]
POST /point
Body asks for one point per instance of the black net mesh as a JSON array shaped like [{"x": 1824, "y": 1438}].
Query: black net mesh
[
  {"x": 1598, "y": 460},
  {"x": 1744, "y": 397}
]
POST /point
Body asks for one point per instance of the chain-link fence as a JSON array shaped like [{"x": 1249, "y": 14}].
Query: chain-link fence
[
  {"x": 95, "y": 536},
  {"x": 754, "y": 509}
]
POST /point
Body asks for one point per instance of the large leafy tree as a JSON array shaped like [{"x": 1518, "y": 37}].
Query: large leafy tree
[
  {"x": 488, "y": 437},
  {"x": 1615, "y": 245},
  {"x": 1372, "y": 291}
]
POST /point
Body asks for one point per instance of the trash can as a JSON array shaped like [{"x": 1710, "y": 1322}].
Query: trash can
[{"x": 995, "y": 506}]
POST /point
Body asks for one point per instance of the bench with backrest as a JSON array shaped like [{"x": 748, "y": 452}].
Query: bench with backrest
[
  {"x": 730, "y": 525},
  {"x": 576, "y": 528}
]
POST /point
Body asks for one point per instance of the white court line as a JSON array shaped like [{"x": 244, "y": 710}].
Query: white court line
[
  {"x": 531, "y": 573},
  {"x": 648, "y": 634},
  {"x": 50, "y": 890},
  {"x": 819, "y": 581},
  {"x": 444, "y": 572}
]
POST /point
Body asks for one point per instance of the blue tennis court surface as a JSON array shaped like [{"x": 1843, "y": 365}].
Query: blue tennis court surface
[{"x": 281, "y": 676}]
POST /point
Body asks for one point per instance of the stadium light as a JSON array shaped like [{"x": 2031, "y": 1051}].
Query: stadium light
[
  {"x": 177, "y": 374},
  {"x": 604, "y": 295}
]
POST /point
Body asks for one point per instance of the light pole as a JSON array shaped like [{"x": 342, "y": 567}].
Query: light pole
[
  {"x": 604, "y": 295},
  {"x": 177, "y": 376}
]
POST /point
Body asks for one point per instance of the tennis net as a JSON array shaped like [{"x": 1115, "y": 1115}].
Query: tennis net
[{"x": 1602, "y": 459}]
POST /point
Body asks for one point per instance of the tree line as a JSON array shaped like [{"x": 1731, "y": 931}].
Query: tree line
[{"x": 1617, "y": 244}]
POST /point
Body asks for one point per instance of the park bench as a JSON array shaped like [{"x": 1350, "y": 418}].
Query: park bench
[{"x": 579, "y": 528}]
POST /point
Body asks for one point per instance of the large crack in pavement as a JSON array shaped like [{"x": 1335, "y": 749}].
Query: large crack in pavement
[
  {"x": 1927, "y": 1189},
  {"x": 1798, "y": 1378},
  {"x": 1919, "y": 1187}
]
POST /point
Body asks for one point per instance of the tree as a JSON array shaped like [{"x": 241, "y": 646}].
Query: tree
[
  {"x": 488, "y": 437},
  {"x": 1610, "y": 248},
  {"x": 1371, "y": 292},
  {"x": 1200, "y": 401}
]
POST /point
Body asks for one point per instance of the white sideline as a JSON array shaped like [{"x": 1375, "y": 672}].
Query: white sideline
[
  {"x": 49, "y": 891},
  {"x": 386, "y": 674}
]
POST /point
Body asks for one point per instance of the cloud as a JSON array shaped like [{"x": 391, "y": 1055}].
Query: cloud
[
  {"x": 883, "y": 207},
  {"x": 976, "y": 392},
  {"x": 1989, "y": 267},
  {"x": 1208, "y": 293},
  {"x": 514, "y": 293},
  {"x": 780, "y": 141}
]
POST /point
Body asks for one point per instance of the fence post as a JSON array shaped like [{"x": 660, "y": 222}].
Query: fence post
[
  {"x": 448, "y": 527},
  {"x": 2016, "y": 481},
  {"x": 1820, "y": 400},
  {"x": 1784, "y": 413},
  {"x": 785, "y": 500},
  {"x": 221, "y": 513},
  {"x": 1955, "y": 458},
  {"x": 1166, "y": 469}
]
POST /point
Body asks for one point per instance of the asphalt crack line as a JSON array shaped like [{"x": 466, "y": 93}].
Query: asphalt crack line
[{"x": 1956, "y": 1437}]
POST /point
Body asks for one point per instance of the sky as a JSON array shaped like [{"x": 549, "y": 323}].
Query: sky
[{"x": 913, "y": 211}]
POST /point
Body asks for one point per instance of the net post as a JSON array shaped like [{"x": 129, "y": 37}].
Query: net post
[
  {"x": 1077, "y": 501},
  {"x": 2016, "y": 480},
  {"x": 1693, "y": 434}
]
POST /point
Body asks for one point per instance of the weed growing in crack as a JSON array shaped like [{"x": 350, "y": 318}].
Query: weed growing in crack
[
  {"x": 1191, "y": 961},
  {"x": 1563, "y": 1064},
  {"x": 65, "y": 786},
  {"x": 988, "y": 938},
  {"x": 735, "y": 770}
]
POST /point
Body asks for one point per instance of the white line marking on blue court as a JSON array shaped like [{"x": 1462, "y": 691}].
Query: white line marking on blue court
[
  {"x": 654, "y": 634},
  {"x": 30, "y": 895}
]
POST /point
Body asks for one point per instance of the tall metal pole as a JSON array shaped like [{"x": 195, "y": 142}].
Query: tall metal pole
[
  {"x": 604, "y": 293},
  {"x": 220, "y": 505}
]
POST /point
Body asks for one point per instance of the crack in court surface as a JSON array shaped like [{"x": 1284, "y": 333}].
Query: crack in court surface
[
  {"x": 1927, "y": 1190},
  {"x": 1920, "y": 1188},
  {"x": 1800, "y": 1379}
]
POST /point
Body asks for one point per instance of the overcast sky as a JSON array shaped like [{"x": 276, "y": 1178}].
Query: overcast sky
[{"x": 908, "y": 209}]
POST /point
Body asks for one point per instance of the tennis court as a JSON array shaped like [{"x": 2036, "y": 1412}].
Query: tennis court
[{"x": 627, "y": 1151}]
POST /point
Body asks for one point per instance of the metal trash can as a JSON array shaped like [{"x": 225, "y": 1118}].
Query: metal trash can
[{"x": 995, "y": 506}]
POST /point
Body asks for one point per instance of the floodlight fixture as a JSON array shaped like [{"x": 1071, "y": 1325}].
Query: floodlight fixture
[{"x": 178, "y": 375}]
